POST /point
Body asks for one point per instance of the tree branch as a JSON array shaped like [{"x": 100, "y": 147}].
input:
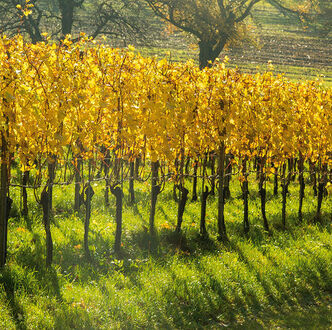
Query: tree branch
[
  {"x": 247, "y": 11},
  {"x": 284, "y": 9}
]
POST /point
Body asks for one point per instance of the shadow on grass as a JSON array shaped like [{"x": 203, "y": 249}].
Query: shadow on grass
[
  {"x": 11, "y": 282},
  {"x": 137, "y": 212},
  {"x": 165, "y": 215},
  {"x": 32, "y": 257}
]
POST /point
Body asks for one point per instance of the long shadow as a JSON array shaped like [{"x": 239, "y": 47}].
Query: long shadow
[
  {"x": 161, "y": 209},
  {"x": 190, "y": 312},
  {"x": 137, "y": 212},
  {"x": 301, "y": 294},
  {"x": 267, "y": 287},
  {"x": 148, "y": 243},
  {"x": 51, "y": 281},
  {"x": 204, "y": 245},
  {"x": 9, "y": 283},
  {"x": 230, "y": 309},
  {"x": 33, "y": 259}
]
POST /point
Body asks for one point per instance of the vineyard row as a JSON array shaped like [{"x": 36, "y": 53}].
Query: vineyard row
[{"x": 88, "y": 102}]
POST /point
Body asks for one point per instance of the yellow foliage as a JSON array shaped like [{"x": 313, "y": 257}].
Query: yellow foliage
[{"x": 83, "y": 96}]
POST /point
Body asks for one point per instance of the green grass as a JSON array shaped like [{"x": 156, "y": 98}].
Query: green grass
[{"x": 169, "y": 281}]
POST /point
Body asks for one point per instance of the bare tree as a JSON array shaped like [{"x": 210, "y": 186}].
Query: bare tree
[
  {"x": 119, "y": 18},
  {"x": 214, "y": 23}
]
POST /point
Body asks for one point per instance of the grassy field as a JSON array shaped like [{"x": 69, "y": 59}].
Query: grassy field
[
  {"x": 293, "y": 51},
  {"x": 169, "y": 281}
]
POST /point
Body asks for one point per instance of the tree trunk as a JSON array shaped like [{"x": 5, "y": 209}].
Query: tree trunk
[
  {"x": 182, "y": 204},
  {"x": 32, "y": 27},
  {"x": 67, "y": 16},
  {"x": 208, "y": 51}
]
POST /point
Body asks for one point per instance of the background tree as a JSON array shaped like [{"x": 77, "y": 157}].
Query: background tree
[
  {"x": 121, "y": 19},
  {"x": 67, "y": 9},
  {"x": 214, "y": 23}
]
